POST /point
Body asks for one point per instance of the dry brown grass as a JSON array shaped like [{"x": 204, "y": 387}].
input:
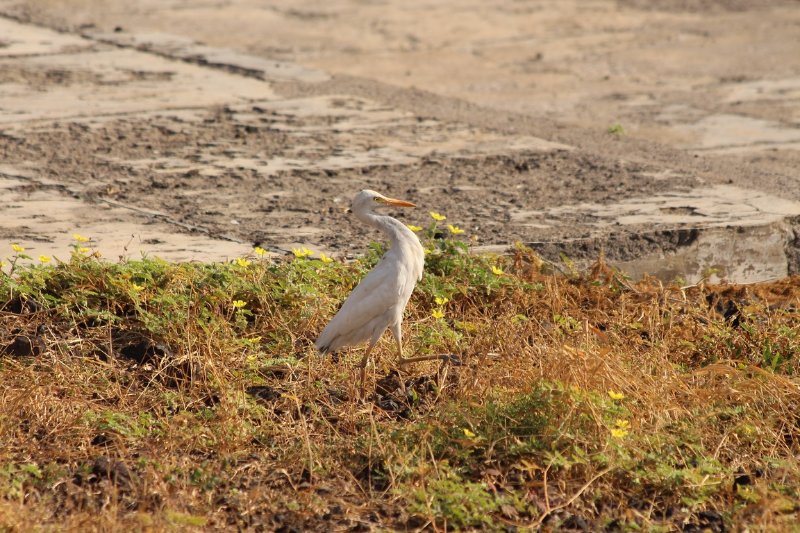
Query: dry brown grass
[{"x": 165, "y": 407}]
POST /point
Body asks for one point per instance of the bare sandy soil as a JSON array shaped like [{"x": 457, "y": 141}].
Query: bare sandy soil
[{"x": 645, "y": 128}]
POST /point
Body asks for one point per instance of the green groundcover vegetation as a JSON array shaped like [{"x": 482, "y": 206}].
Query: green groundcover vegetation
[{"x": 146, "y": 395}]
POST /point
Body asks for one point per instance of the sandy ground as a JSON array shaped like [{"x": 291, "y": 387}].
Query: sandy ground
[{"x": 196, "y": 130}]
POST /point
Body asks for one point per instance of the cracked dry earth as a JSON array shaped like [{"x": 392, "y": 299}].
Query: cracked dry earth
[{"x": 258, "y": 176}]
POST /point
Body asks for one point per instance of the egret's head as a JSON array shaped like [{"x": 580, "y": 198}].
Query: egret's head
[{"x": 368, "y": 200}]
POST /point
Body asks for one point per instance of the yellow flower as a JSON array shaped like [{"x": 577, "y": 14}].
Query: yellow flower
[
  {"x": 622, "y": 424},
  {"x": 259, "y": 251},
  {"x": 80, "y": 238},
  {"x": 437, "y": 313},
  {"x": 619, "y": 433},
  {"x": 441, "y": 300},
  {"x": 497, "y": 271},
  {"x": 324, "y": 258},
  {"x": 17, "y": 248},
  {"x": 238, "y": 304},
  {"x": 302, "y": 252},
  {"x": 242, "y": 262},
  {"x": 84, "y": 250},
  {"x": 136, "y": 287},
  {"x": 2, "y": 264},
  {"x": 614, "y": 395},
  {"x": 468, "y": 433},
  {"x": 412, "y": 227},
  {"x": 455, "y": 230},
  {"x": 437, "y": 217},
  {"x": 44, "y": 258}
]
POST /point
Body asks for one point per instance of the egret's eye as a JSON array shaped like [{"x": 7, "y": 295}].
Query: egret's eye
[{"x": 376, "y": 199}]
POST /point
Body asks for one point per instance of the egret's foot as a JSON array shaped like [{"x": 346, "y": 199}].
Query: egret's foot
[
  {"x": 454, "y": 359},
  {"x": 445, "y": 357}
]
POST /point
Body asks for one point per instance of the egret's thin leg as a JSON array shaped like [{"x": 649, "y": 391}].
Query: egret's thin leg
[
  {"x": 397, "y": 333},
  {"x": 363, "y": 368}
]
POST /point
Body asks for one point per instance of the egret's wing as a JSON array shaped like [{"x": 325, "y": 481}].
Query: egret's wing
[
  {"x": 373, "y": 297},
  {"x": 408, "y": 279},
  {"x": 383, "y": 277}
]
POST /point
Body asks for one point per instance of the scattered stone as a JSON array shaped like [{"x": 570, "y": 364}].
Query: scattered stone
[
  {"x": 24, "y": 346},
  {"x": 263, "y": 392},
  {"x": 105, "y": 468},
  {"x": 102, "y": 439},
  {"x": 140, "y": 348}
]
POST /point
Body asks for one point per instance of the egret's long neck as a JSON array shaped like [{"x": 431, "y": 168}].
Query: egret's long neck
[
  {"x": 404, "y": 243},
  {"x": 390, "y": 226}
]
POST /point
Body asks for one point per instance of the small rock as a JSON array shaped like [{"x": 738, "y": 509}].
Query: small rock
[
  {"x": 575, "y": 522},
  {"x": 102, "y": 439},
  {"x": 23, "y": 346},
  {"x": 113, "y": 470},
  {"x": 263, "y": 392}
]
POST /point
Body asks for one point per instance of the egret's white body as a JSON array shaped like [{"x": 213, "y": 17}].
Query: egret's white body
[{"x": 378, "y": 302}]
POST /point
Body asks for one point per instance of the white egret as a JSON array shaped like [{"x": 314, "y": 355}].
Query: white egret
[{"x": 377, "y": 303}]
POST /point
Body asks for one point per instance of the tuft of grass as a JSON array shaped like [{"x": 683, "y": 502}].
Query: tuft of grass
[
  {"x": 616, "y": 129},
  {"x": 151, "y": 395}
]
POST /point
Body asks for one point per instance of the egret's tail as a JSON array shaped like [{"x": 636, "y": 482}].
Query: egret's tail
[
  {"x": 325, "y": 342},
  {"x": 323, "y": 349}
]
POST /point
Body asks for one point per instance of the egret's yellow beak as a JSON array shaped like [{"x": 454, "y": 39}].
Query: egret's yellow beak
[{"x": 396, "y": 203}]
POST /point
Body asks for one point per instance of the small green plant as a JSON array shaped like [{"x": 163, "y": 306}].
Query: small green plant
[
  {"x": 453, "y": 502},
  {"x": 15, "y": 477},
  {"x": 616, "y": 129}
]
